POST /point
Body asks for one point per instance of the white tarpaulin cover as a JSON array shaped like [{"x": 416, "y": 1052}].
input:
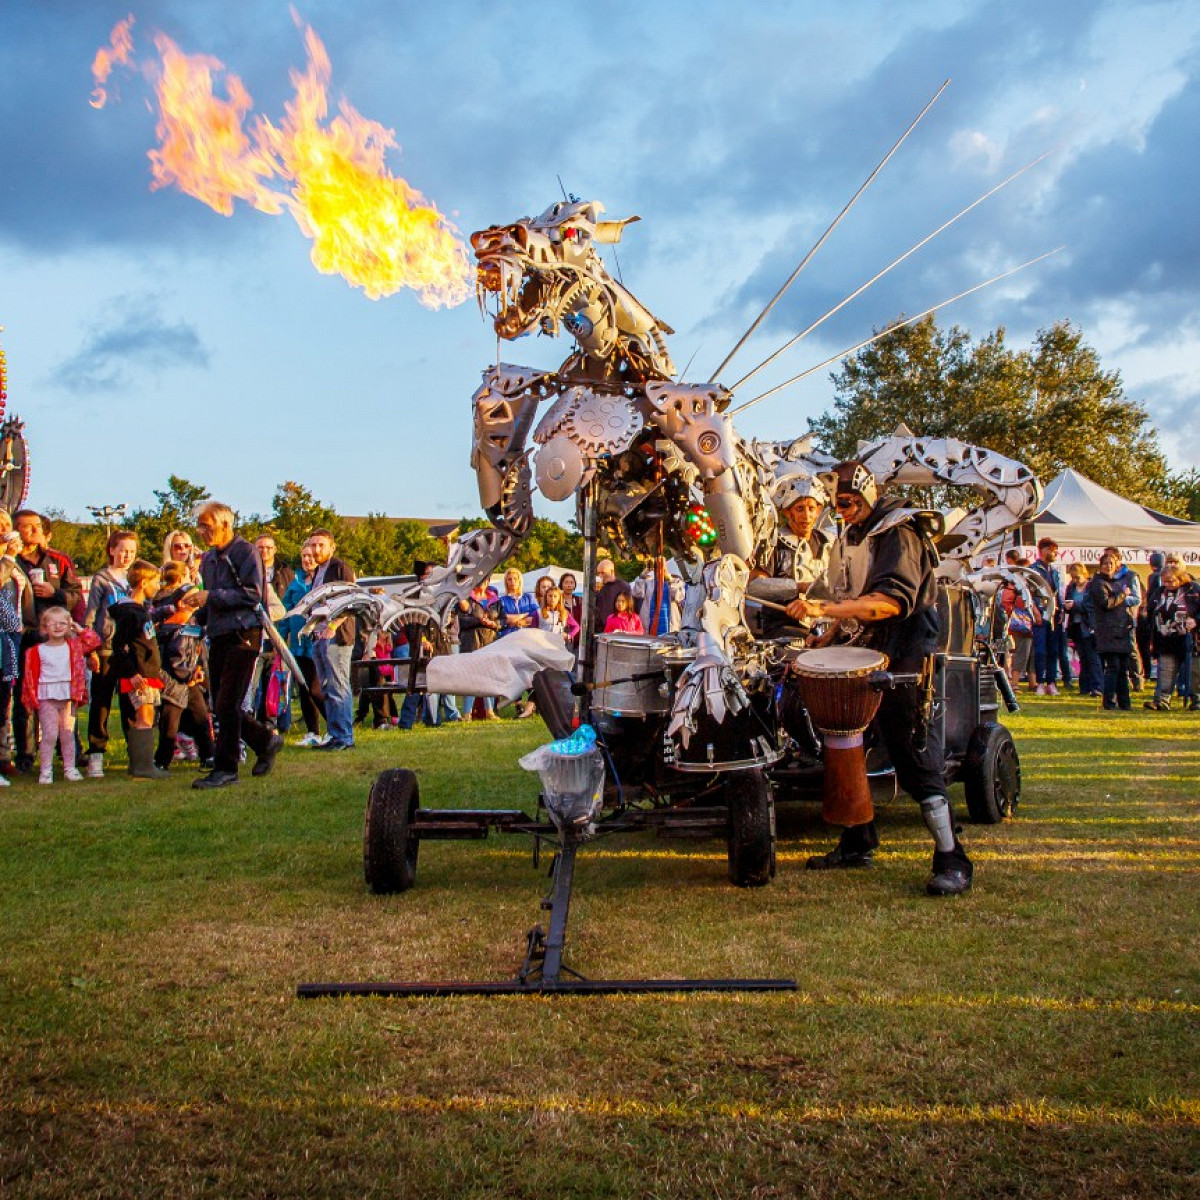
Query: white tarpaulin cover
[
  {"x": 1083, "y": 518},
  {"x": 505, "y": 668}
]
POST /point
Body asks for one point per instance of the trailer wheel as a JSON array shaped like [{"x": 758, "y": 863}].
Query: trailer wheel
[
  {"x": 991, "y": 774},
  {"x": 751, "y": 828},
  {"x": 389, "y": 844}
]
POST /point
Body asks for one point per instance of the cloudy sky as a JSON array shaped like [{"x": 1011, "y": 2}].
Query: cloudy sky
[{"x": 147, "y": 335}]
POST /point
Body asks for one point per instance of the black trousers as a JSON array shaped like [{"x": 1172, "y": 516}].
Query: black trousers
[
  {"x": 231, "y": 659},
  {"x": 193, "y": 720},
  {"x": 100, "y": 703},
  {"x": 312, "y": 703},
  {"x": 1116, "y": 680},
  {"x": 24, "y": 722},
  {"x": 918, "y": 757},
  {"x": 916, "y": 753},
  {"x": 379, "y": 703}
]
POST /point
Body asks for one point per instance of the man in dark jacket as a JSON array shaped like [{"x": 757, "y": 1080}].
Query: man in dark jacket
[
  {"x": 881, "y": 573},
  {"x": 230, "y": 607},
  {"x": 333, "y": 651},
  {"x": 278, "y": 575},
  {"x": 50, "y": 581},
  {"x": 1050, "y": 632}
]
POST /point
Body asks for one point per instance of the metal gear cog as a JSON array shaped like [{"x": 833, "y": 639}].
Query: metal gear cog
[
  {"x": 555, "y": 416},
  {"x": 516, "y": 498},
  {"x": 603, "y": 424}
]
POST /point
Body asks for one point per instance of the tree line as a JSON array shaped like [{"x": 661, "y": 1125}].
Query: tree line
[
  {"x": 1050, "y": 407},
  {"x": 375, "y": 545}
]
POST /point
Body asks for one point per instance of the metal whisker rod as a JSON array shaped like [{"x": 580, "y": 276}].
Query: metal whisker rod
[
  {"x": 891, "y": 266},
  {"x": 822, "y": 239},
  {"x": 891, "y": 329}
]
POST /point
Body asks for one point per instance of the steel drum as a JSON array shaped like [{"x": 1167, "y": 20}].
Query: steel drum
[{"x": 631, "y": 675}]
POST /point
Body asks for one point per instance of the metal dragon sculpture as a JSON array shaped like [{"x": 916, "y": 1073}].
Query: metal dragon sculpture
[{"x": 612, "y": 424}]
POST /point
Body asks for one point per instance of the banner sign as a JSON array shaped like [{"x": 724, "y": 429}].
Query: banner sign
[{"x": 1090, "y": 555}]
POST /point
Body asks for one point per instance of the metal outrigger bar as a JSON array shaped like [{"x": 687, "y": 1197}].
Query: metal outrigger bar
[{"x": 543, "y": 973}]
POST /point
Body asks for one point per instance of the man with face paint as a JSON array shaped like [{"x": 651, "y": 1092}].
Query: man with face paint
[{"x": 881, "y": 574}]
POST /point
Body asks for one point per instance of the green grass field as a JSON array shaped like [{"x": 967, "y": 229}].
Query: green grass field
[{"x": 1035, "y": 1038}]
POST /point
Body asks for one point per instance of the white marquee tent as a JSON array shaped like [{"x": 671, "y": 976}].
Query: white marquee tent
[{"x": 1083, "y": 518}]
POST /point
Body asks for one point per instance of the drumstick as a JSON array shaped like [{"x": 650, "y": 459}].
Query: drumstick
[{"x": 766, "y": 604}]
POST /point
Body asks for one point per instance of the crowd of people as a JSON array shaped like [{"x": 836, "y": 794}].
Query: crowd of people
[
  {"x": 173, "y": 644},
  {"x": 1105, "y": 632},
  {"x": 177, "y": 646}
]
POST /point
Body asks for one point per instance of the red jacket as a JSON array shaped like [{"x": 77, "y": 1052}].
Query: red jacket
[{"x": 85, "y": 643}]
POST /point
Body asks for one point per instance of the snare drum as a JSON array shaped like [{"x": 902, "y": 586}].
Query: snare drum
[
  {"x": 631, "y": 675},
  {"x": 834, "y": 685}
]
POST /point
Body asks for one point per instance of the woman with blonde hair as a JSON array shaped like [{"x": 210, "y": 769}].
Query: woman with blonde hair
[{"x": 178, "y": 547}]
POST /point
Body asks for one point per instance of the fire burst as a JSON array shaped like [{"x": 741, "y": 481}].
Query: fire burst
[{"x": 367, "y": 225}]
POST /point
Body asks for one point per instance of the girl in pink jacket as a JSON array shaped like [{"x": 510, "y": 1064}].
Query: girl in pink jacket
[{"x": 55, "y": 683}]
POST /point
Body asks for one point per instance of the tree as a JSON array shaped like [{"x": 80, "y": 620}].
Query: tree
[
  {"x": 83, "y": 544},
  {"x": 175, "y": 508},
  {"x": 295, "y": 513},
  {"x": 1050, "y": 407},
  {"x": 1078, "y": 416},
  {"x": 1184, "y": 489}
]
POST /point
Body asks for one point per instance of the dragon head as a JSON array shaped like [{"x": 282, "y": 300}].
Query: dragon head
[{"x": 528, "y": 271}]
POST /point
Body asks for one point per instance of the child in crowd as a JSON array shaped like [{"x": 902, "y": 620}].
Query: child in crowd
[
  {"x": 554, "y": 617},
  {"x": 55, "y": 683},
  {"x": 377, "y": 644},
  {"x": 1021, "y": 621},
  {"x": 138, "y": 667},
  {"x": 181, "y": 649},
  {"x": 624, "y": 619}
]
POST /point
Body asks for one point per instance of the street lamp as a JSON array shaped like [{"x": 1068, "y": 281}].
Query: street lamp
[{"x": 108, "y": 513}]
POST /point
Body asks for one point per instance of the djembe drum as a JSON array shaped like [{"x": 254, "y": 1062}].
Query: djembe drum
[{"x": 834, "y": 684}]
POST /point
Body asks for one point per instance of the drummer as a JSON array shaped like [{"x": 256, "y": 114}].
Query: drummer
[
  {"x": 881, "y": 574},
  {"x": 801, "y": 552}
]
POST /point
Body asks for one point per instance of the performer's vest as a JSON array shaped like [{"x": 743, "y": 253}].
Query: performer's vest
[
  {"x": 795, "y": 559},
  {"x": 850, "y": 566}
]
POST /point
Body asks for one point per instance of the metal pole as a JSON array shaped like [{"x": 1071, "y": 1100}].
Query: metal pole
[
  {"x": 890, "y": 329},
  {"x": 585, "y": 661},
  {"x": 891, "y": 266},
  {"x": 560, "y": 907}
]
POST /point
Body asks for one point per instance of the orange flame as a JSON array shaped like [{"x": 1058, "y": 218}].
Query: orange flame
[
  {"x": 120, "y": 47},
  {"x": 203, "y": 148},
  {"x": 369, "y": 226}
]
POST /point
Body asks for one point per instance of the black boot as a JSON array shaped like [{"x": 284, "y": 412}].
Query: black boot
[
  {"x": 952, "y": 872},
  {"x": 141, "y": 754},
  {"x": 952, "y": 868},
  {"x": 855, "y": 850}
]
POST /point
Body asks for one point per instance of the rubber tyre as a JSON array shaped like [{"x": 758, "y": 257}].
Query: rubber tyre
[
  {"x": 389, "y": 843},
  {"x": 751, "y": 828},
  {"x": 991, "y": 775}
]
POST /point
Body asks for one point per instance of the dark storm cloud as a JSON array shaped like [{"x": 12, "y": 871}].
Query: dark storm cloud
[
  {"x": 1136, "y": 228},
  {"x": 764, "y": 144},
  {"x": 135, "y": 340},
  {"x": 74, "y": 176}
]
